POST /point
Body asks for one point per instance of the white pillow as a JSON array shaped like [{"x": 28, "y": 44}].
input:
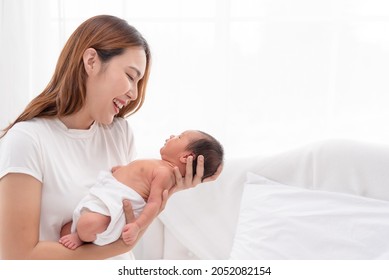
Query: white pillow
[{"x": 277, "y": 221}]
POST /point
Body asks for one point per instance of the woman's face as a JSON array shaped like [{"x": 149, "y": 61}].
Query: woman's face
[{"x": 111, "y": 86}]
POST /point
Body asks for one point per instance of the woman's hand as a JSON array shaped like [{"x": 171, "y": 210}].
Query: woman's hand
[
  {"x": 215, "y": 175},
  {"x": 190, "y": 181},
  {"x": 130, "y": 218},
  {"x": 128, "y": 212}
]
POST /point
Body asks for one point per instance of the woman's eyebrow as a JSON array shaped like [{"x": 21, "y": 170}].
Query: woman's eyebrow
[{"x": 138, "y": 73}]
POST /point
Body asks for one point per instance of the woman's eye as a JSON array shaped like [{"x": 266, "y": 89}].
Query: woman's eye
[{"x": 130, "y": 78}]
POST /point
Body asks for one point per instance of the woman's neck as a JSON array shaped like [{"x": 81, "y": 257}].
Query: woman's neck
[{"x": 76, "y": 121}]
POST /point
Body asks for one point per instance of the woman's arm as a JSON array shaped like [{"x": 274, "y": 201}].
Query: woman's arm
[{"x": 20, "y": 204}]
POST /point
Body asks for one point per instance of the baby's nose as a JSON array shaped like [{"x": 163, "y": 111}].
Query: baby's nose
[{"x": 171, "y": 136}]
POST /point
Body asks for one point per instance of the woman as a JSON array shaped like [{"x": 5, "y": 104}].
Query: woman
[{"x": 52, "y": 153}]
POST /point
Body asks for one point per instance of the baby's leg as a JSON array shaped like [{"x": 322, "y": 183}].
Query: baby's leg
[{"x": 90, "y": 224}]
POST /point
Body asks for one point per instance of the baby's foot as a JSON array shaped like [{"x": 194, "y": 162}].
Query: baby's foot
[{"x": 70, "y": 241}]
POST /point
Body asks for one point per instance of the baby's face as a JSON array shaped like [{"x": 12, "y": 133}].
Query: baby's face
[{"x": 176, "y": 144}]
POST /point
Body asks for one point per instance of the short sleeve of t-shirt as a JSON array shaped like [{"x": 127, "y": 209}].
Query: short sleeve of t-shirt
[{"x": 19, "y": 153}]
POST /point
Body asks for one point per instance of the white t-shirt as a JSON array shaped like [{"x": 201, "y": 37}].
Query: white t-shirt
[{"x": 66, "y": 161}]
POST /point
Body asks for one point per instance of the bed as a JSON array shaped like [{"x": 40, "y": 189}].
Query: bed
[{"x": 326, "y": 200}]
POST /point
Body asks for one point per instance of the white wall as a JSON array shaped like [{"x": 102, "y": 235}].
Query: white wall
[{"x": 262, "y": 76}]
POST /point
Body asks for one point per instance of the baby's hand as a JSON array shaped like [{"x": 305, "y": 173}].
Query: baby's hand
[{"x": 130, "y": 233}]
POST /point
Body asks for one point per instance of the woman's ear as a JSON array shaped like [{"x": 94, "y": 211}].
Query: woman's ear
[{"x": 91, "y": 60}]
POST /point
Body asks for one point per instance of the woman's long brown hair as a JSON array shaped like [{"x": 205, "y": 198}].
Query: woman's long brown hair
[{"x": 66, "y": 92}]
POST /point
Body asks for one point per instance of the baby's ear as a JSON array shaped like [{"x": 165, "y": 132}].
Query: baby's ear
[{"x": 184, "y": 156}]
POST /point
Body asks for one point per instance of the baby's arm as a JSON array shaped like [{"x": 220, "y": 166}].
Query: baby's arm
[{"x": 162, "y": 179}]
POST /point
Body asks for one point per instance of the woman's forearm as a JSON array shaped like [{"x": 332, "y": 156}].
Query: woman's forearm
[{"x": 48, "y": 250}]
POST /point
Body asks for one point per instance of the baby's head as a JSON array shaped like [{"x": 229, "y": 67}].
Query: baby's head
[
  {"x": 212, "y": 151},
  {"x": 194, "y": 143}
]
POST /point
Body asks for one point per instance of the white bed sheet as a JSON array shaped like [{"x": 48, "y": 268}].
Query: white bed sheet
[
  {"x": 204, "y": 219},
  {"x": 284, "y": 222}
]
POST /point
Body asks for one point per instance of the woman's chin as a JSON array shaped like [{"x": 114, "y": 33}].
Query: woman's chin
[{"x": 106, "y": 121}]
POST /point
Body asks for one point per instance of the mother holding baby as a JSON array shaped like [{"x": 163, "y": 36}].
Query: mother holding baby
[{"x": 52, "y": 153}]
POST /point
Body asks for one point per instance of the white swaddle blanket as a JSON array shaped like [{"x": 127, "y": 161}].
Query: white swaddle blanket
[{"x": 106, "y": 197}]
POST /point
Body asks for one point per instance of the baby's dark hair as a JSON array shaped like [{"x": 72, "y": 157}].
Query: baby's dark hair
[{"x": 212, "y": 151}]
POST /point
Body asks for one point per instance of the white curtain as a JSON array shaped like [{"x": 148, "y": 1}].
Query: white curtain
[
  {"x": 24, "y": 46},
  {"x": 262, "y": 76}
]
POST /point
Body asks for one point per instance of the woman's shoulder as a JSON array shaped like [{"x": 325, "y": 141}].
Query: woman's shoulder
[{"x": 32, "y": 127}]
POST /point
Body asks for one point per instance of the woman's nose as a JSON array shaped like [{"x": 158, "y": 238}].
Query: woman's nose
[{"x": 132, "y": 95}]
